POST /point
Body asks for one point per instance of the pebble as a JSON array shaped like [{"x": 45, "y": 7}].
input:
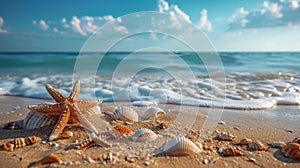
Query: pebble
[
  {"x": 90, "y": 160},
  {"x": 222, "y": 122},
  {"x": 44, "y": 142},
  {"x": 146, "y": 163},
  {"x": 205, "y": 161},
  {"x": 55, "y": 145}
]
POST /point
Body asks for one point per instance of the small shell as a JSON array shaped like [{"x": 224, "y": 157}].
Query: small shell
[
  {"x": 126, "y": 114},
  {"x": 122, "y": 131},
  {"x": 292, "y": 150},
  {"x": 144, "y": 135},
  {"x": 19, "y": 143},
  {"x": 257, "y": 145},
  {"x": 277, "y": 144},
  {"x": 297, "y": 140},
  {"x": 52, "y": 158},
  {"x": 230, "y": 151},
  {"x": 245, "y": 141},
  {"x": 67, "y": 134},
  {"x": 13, "y": 125},
  {"x": 224, "y": 136},
  {"x": 180, "y": 146},
  {"x": 153, "y": 113},
  {"x": 35, "y": 120}
]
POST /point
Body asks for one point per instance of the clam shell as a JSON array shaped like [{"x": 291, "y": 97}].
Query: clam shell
[
  {"x": 35, "y": 120},
  {"x": 224, "y": 136},
  {"x": 245, "y": 141},
  {"x": 297, "y": 140},
  {"x": 257, "y": 145},
  {"x": 126, "y": 114},
  {"x": 144, "y": 135},
  {"x": 292, "y": 150},
  {"x": 230, "y": 151},
  {"x": 277, "y": 144},
  {"x": 180, "y": 146},
  {"x": 153, "y": 113}
]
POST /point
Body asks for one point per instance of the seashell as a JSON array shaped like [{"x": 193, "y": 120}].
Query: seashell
[
  {"x": 180, "y": 146},
  {"x": 35, "y": 120},
  {"x": 245, "y": 141},
  {"x": 277, "y": 144},
  {"x": 52, "y": 158},
  {"x": 94, "y": 140},
  {"x": 144, "y": 135},
  {"x": 126, "y": 114},
  {"x": 67, "y": 134},
  {"x": 292, "y": 150},
  {"x": 124, "y": 131},
  {"x": 153, "y": 113},
  {"x": 19, "y": 143},
  {"x": 93, "y": 110},
  {"x": 159, "y": 127},
  {"x": 13, "y": 125},
  {"x": 224, "y": 136},
  {"x": 296, "y": 140},
  {"x": 230, "y": 151},
  {"x": 257, "y": 145}
]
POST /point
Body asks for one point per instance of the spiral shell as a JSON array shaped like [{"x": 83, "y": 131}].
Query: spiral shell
[
  {"x": 144, "y": 135},
  {"x": 230, "y": 151},
  {"x": 126, "y": 114},
  {"x": 277, "y": 144},
  {"x": 292, "y": 150},
  {"x": 245, "y": 141},
  {"x": 19, "y": 143},
  {"x": 297, "y": 140},
  {"x": 257, "y": 145},
  {"x": 224, "y": 136},
  {"x": 153, "y": 113},
  {"x": 35, "y": 120},
  {"x": 180, "y": 146}
]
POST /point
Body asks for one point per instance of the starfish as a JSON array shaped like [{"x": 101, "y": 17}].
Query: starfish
[{"x": 69, "y": 109}]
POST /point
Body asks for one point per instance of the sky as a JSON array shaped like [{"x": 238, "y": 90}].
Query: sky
[{"x": 228, "y": 25}]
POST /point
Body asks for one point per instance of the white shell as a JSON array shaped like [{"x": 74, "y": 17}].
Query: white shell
[
  {"x": 93, "y": 110},
  {"x": 180, "y": 146},
  {"x": 35, "y": 120},
  {"x": 126, "y": 114},
  {"x": 153, "y": 112},
  {"x": 224, "y": 136},
  {"x": 144, "y": 135}
]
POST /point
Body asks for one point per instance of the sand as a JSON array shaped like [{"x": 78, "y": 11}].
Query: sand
[{"x": 267, "y": 126}]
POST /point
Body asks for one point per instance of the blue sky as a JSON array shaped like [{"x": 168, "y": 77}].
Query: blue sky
[{"x": 230, "y": 25}]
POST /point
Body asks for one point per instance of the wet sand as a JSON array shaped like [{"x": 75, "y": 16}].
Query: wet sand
[{"x": 267, "y": 126}]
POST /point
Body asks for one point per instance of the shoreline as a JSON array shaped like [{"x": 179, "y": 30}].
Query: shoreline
[{"x": 277, "y": 124}]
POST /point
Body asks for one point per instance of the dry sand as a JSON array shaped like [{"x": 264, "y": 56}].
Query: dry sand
[{"x": 279, "y": 124}]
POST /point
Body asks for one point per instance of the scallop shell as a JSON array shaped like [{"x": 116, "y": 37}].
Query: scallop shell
[
  {"x": 52, "y": 158},
  {"x": 277, "y": 144},
  {"x": 292, "y": 150},
  {"x": 35, "y": 120},
  {"x": 230, "y": 151},
  {"x": 153, "y": 113},
  {"x": 224, "y": 136},
  {"x": 257, "y": 145},
  {"x": 297, "y": 140},
  {"x": 180, "y": 146},
  {"x": 126, "y": 114},
  {"x": 144, "y": 135},
  {"x": 245, "y": 141}
]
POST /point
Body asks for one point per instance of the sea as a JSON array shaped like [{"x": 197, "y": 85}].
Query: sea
[{"x": 232, "y": 80}]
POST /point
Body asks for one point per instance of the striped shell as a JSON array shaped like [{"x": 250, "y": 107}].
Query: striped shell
[
  {"x": 257, "y": 145},
  {"x": 245, "y": 141},
  {"x": 297, "y": 140},
  {"x": 35, "y": 120},
  {"x": 144, "y": 135},
  {"x": 224, "y": 136},
  {"x": 153, "y": 113},
  {"x": 93, "y": 141},
  {"x": 180, "y": 146},
  {"x": 52, "y": 158},
  {"x": 230, "y": 151},
  {"x": 292, "y": 150},
  {"x": 277, "y": 144},
  {"x": 126, "y": 114},
  {"x": 19, "y": 143},
  {"x": 122, "y": 131}
]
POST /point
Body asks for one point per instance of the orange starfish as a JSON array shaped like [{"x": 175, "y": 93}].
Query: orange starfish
[{"x": 70, "y": 109}]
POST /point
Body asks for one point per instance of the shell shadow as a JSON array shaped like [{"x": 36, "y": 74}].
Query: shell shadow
[{"x": 279, "y": 156}]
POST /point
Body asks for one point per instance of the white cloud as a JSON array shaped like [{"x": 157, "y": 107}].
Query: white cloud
[
  {"x": 76, "y": 26},
  {"x": 294, "y": 4},
  {"x": 43, "y": 25},
  {"x": 180, "y": 13},
  {"x": 239, "y": 17},
  {"x": 204, "y": 23},
  {"x": 163, "y": 6},
  {"x": 1, "y": 24},
  {"x": 121, "y": 29},
  {"x": 273, "y": 8},
  {"x": 34, "y": 22},
  {"x": 64, "y": 22}
]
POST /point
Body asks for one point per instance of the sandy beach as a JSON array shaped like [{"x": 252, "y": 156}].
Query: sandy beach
[{"x": 267, "y": 126}]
